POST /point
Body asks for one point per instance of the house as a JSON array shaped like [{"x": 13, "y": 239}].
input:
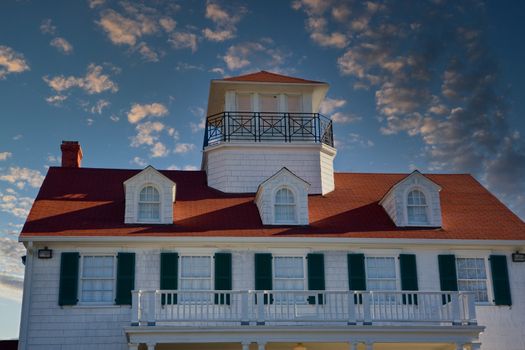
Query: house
[{"x": 267, "y": 247}]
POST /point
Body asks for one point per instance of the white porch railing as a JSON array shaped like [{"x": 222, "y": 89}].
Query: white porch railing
[{"x": 195, "y": 308}]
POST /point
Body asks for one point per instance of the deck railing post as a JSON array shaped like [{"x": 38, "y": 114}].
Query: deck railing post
[
  {"x": 456, "y": 317},
  {"x": 245, "y": 318},
  {"x": 260, "y": 308},
  {"x": 152, "y": 301},
  {"x": 367, "y": 316},
  {"x": 351, "y": 307},
  {"x": 135, "y": 308}
]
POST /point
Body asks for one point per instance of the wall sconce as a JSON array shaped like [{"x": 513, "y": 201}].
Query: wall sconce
[
  {"x": 45, "y": 253},
  {"x": 518, "y": 257}
]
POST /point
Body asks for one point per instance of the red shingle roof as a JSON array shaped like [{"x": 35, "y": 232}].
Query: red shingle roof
[
  {"x": 90, "y": 202},
  {"x": 269, "y": 77}
]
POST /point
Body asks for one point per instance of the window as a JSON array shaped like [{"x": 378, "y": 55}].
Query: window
[
  {"x": 195, "y": 275},
  {"x": 381, "y": 273},
  {"x": 149, "y": 204},
  {"x": 417, "y": 208},
  {"x": 244, "y": 103},
  {"x": 288, "y": 275},
  {"x": 472, "y": 277},
  {"x": 97, "y": 279},
  {"x": 285, "y": 207}
]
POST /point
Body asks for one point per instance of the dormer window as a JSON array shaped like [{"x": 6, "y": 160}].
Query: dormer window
[
  {"x": 285, "y": 207},
  {"x": 417, "y": 208},
  {"x": 149, "y": 204}
]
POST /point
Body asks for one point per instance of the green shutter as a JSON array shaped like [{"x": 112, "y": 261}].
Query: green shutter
[
  {"x": 407, "y": 265},
  {"x": 356, "y": 272},
  {"x": 315, "y": 276},
  {"x": 169, "y": 267},
  {"x": 68, "y": 289},
  {"x": 263, "y": 272},
  {"x": 223, "y": 276},
  {"x": 447, "y": 272},
  {"x": 500, "y": 280},
  {"x": 125, "y": 278}
]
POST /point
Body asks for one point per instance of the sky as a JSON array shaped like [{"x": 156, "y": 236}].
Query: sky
[{"x": 433, "y": 85}]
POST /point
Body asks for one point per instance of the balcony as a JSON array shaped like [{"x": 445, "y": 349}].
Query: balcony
[
  {"x": 268, "y": 127},
  {"x": 294, "y": 308}
]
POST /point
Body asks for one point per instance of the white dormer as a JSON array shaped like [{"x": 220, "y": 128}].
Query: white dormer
[
  {"x": 282, "y": 199},
  {"x": 149, "y": 198},
  {"x": 414, "y": 202}
]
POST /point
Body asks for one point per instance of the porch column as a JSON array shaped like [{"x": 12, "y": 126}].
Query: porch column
[
  {"x": 245, "y": 345},
  {"x": 260, "y": 345},
  {"x": 369, "y": 346},
  {"x": 133, "y": 346},
  {"x": 151, "y": 346}
]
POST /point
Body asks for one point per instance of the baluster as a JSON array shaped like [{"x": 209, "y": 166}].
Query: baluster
[{"x": 367, "y": 318}]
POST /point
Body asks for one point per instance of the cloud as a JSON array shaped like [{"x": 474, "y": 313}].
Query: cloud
[
  {"x": 330, "y": 104},
  {"x": 15, "y": 204},
  {"x": 99, "y": 106},
  {"x": 47, "y": 27},
  {"x": 5, "y": 155},
  {"x": 94, "y": 82},
  {"x": 184, "y": 148},
  {"x": 183, "y": 40},
  {"x": 123, "y": 30},
  {"x": 147, "y": 53},
  {"x": 183, "y": 67},
  {"x": 225, "y": 21},
  {"x": 335, "y": 39},
  {"x": 11, "y": 62},
  {"x": 139, "y": 161},
  {"x": 190, "y": 167},
  {"x": 148, "y": 134},
  {"x": 159, "y": 150},
  {"x": 344, "y": 118},
  {"x": 22, "y": 177},
  {"x": 62, "y": 45},
  {"x": 168, "y": 24},
  {"x": 139, "y": 112},
  {"x": 358, "y": 141},
  {"x": 259, "y": 55},
  {"x": 12, "y": 270},
  {"x": 95, "y": 3}
]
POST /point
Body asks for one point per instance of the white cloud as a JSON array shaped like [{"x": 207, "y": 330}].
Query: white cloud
[
  {"x": 147, "y": 53},
  {"x": 12, "y": 270},
  {"x": 190, "y": 167},
  {"x": 56, "y": 99},
  {"x": 139, "y": 112},
  {"x": 358, "y": 140},
  {"x": 336, "y": 39},
  {"x": 114, "y": 118},
  {"x": 62, "y": 45},
  {"x": 5, "y": 155},
  {"x": 224, "y": 20},
  {"x": 260, "y": 54},
  {"x": 123, "y": 30},
  {"x": 183, "y": 40},
  {"x": 139, "y": 161},
  {"x": 89, "y": 121},
  {"x": 147, "y": 133},
  {"x": 99, "y": 106},
  {"x": 183, "y": 66},
  {"x": 217, "y": 70},
  {"x": 47, "y": 27},
  {"x": 159, "y": 150},
  {"x": 53, "y": 159},
  {"x": 330, "y": 104},
  {"x": 184, "y": 147},
  {"x": 344, "y": 118},
  {"x": 168, "y": 24},
  {"x": 17, "y": 137},
  {"x": 22, "y": 177},
  {"x": 94, "y": 3},
  {"x": 15, "y": 204},
  {"x": 11, "y": 62},
  {"x": 94, "y": 82}
]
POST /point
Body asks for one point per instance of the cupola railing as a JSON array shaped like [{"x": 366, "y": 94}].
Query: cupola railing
[{"x": 268, "y": 127}]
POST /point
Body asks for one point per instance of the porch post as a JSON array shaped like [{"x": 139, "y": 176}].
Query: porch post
[
  {"x": 133, "y": 346},
  {"x": 369, "y": 346},
  {"x": 151, "y": 346},
  {"x": 261, "y": 345},
  {"x": 245, "y": 345}
]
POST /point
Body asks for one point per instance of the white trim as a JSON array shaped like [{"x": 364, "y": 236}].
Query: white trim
[
  {"x": 295, "y": 241},
  {"x": 26, "y": 298}
]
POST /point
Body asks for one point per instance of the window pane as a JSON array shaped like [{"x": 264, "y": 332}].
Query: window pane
[
  {"x": 149, "y": 194},
  {"x": 472, "y": 277}
]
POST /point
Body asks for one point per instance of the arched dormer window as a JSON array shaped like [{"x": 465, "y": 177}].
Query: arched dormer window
[
  {"x": 149, "y": 204},
  {"x": 417, "y": 208},
  {"x": 285, "y": 207}
]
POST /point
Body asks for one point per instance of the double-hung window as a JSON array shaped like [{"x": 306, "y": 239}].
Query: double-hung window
[
  {"x": 472, "y": 277},
  {"x": 381, "y": 275},
  {"x": 196, "y": 275},
  {"x": 285, "y": 212},
  {"x": 97, "y": 279},
  {"x": 417, "y": 208},
  {"x": 149, "y": 204},
  {"x": 289, "y": 275}
]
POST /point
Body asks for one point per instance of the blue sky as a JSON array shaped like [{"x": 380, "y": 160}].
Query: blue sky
[{"x": 433, "y": 85}]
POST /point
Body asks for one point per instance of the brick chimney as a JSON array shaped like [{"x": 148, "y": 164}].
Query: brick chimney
[{"x": 71, "y": 154}]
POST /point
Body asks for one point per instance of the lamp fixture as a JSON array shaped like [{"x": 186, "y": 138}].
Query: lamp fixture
[
  {"x": 518, "y": 257},
  {"x": 45, "y": 253},
  {"x": 299, "y": 346}
]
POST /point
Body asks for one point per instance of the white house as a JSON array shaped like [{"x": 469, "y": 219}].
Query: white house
[{"x": 267, "y": 247}]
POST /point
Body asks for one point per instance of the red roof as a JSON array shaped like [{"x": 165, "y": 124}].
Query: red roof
[
  {"x": 268, "y": 77},
  {"x": 90, "y": 202}
]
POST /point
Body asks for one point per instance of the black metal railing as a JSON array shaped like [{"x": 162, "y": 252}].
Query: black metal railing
[{"x": 268, "y": 127}]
